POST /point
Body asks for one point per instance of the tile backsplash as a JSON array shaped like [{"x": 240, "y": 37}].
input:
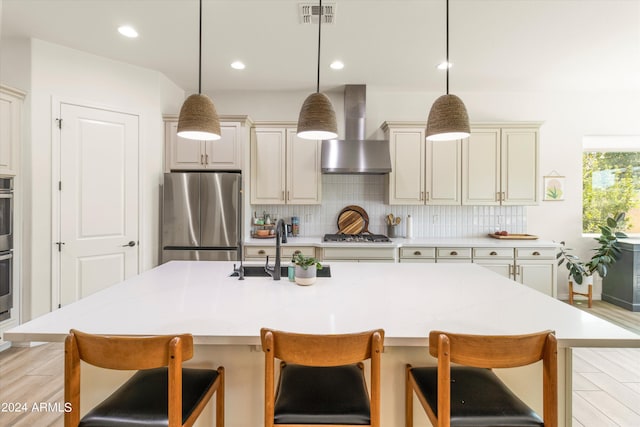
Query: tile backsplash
[{"x": 368, "y": 191}]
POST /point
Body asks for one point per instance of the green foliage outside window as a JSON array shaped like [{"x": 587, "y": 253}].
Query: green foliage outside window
[{"x": 610, "y": 184}]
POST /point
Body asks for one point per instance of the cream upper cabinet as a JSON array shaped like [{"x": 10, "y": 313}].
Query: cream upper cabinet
[
  {"x": 222, "y": 154},
  {"x": 285, "y": 169},
  {"x": 500, "y": 165},
  {"x": 10, "y": 124},
  {"x": 423, "y": 172}
]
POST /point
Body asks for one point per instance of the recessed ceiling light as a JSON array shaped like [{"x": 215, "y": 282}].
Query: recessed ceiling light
[
  {"x": 337, "y": 65},
  {"x": 128, "y": 31},
  {"x": 237, "y": 65},
  {"x": 444, "y": 65}
]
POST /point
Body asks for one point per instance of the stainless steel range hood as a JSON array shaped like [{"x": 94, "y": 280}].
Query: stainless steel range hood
[{"x": 354, "y": 154}]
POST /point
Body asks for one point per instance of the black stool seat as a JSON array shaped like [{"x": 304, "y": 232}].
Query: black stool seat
[
  {"x": 322, "y": 395},
  {"x": 142, "y": 400},
  {"x": 478, "y": 398}
]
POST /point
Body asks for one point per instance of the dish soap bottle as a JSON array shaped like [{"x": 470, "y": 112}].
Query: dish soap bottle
[
  {"x": 292, "y": 271},
  {"x": 409, "y": 231}
]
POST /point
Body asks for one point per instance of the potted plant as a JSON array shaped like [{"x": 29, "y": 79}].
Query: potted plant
[
  {"x": 306, "y": 268},
  {"x": 605, "y": 254}
]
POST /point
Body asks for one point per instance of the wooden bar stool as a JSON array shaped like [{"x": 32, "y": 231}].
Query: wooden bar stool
[
  {"x": 472, "y": 395},
  {"x": 589, "y": 294},
  {"x": 322, "y": 378},
  {"x": 162, "y": 392}
]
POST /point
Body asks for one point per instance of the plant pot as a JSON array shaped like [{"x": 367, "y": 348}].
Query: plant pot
[
  {"x": 305, "y": 277},
  {"x": 586, "y": 281}
]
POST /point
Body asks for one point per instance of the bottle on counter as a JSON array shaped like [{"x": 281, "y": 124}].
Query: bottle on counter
[
  {"x": 291, "y": 271},
  {"x": 295, "y": 226},
  {"x": 409, "y": 231}
]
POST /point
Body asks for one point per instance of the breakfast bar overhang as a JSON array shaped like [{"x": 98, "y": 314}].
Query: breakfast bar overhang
[{"x": 407, "y": 300}]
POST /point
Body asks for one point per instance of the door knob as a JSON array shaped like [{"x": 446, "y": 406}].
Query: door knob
[{"x": 130, "y": 244}]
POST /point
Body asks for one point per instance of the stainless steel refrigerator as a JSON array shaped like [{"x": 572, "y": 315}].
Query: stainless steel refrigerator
[{"x": 202, "y": 216}]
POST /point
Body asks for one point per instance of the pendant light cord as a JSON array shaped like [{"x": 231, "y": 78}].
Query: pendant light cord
[
  {"x": 200, "y": 52},
  {"x": 319, "y": 37},
  {"x": 447, "y": 46}
]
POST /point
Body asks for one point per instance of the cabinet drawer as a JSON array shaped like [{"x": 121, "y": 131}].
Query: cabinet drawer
[
  {"x": 289, "y": 251},
  {"x": 454, "y": 253},
  {"x": 493, "y": 253},
  {"x": 359, "y": 253},
  {"x": 417, "y": 252},
  {"x": 259, "y": 251},
  {"x": 536, "y": 253},
  {"x": 286, "y": 252}
]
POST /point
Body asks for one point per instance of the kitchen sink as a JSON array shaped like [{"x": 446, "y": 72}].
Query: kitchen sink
[{"x": 258, "y": 271}]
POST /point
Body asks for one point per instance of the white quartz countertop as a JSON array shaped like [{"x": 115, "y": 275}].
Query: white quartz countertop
[
  {"x": 407, "y": 300},
  {"x": 477, "y": 242}
]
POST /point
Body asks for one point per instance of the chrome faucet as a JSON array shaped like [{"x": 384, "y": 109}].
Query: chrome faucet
[{"x": 281, "y": 232}]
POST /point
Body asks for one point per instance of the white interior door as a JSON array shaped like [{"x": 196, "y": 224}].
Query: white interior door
[{"x": 98, "y": 199}]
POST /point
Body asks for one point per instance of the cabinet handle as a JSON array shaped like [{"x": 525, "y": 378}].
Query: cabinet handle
[
  {"x": 422, "y": 195},
  {"x": 493, "y": 253},
  {"x": 511, "y": 270},
  {"x": 202, "y": 159},
  {"x": 297, "y": 252},
  {"x": 288, "y": 195},
  {"x": 206, "y": 159},
  {"x": 453, "y": 253},
  {"x": 519, "y": 270},
  {"x": 536, "y": 253},
  {"x": 503, "y": 198},
  {"x": 426, "y": 196},
  {"x": 261, "y": 252},
  {"x": 498, "y": 196},
  {"x": 283, "y": 198},
  {"x": 417, "y": 253}
]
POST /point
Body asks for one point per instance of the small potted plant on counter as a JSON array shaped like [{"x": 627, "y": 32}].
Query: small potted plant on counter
[
  {"x": 605, "y": 254},
  {"x": 306, "y": 268}
]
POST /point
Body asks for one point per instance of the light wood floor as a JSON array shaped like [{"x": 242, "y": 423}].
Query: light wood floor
[
  {"x": 606, "y": 382},
  {"x": 606, "y": 389}
]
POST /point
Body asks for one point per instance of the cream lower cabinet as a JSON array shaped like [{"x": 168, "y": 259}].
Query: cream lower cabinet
[
  {"x": 533, "y": 267},
  {"x": 500, "y": 165},
  {"x": 260, "y": 253},
  {"x": 285, "y": 169},
  {"x": 453, "y": 254},
  {"x": 355, "y": 254},
  {"x": 222, "y": 154},
  {"x": 499, "y": 260},
  {"x": 422, "y": 172},
  {"x": 417, "y": 254},
  {"x": 537, "y": 268}
]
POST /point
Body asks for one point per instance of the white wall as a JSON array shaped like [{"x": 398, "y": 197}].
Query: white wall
[
  {"x": 67, "y": 74},
  {"x": 566, "y": 116}
]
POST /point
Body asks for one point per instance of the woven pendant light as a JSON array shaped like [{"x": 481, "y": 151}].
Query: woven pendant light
[
  {"x": 198, "y": 118},
  {"x": 317, "y": 119},
  {"x": 448, "y": 118}
]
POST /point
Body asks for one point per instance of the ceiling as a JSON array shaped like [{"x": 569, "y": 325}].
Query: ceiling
[{"x": 495, "y": 45}]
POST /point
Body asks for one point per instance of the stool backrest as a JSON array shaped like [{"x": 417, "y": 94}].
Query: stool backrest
[
  {"x": 494, "y": 351},
  {"x": 322, "y": 350},
  {"x": 130, "y": 352}
]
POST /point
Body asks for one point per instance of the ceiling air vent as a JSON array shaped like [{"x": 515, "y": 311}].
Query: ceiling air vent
[{"x": 309, "y": 13}]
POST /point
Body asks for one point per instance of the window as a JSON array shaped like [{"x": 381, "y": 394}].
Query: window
[{"x": 610, "y": 181}]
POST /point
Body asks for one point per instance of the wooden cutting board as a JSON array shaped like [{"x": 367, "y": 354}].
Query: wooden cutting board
[{"x": 353, "y": 220}]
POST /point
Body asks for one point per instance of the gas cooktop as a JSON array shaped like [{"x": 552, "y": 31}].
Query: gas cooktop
[{"x": 351, "y": 238}]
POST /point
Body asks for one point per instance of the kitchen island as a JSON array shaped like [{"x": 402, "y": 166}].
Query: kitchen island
[{"x": 407, "y": 300}]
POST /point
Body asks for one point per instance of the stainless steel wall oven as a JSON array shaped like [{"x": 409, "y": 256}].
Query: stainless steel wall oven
[{"x": 6, "y": 247}]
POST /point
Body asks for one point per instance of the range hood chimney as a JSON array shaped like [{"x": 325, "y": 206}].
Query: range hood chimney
[{"x": 355, "y": 154}]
